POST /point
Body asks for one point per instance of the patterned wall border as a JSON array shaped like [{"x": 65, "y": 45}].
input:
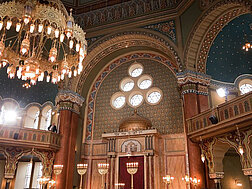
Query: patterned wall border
[
  {"x": 204, "y": 32},
  {"x": 95, "y": 87},
  {"x": 150, "y": 40}
]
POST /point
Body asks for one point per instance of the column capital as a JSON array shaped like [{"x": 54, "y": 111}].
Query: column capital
[
  {"x": 193, "y": 82},
  {"x": 216, "y": 175},
  {"x": 247, "y": 172},
  {"x": 69, "y": 100}
]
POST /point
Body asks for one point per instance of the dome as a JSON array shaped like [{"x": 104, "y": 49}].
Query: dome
[{"x": 135, "y": 122}]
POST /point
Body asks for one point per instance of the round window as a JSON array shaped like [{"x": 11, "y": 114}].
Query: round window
[
  {"x": 135, "y": 70},
  {"x": 154, "y": 96},
  {"x": 118, "y": 100},
  {"x": 136, "y": 100},
  {"x": 127, "y": 84},
  {"x": 144, "y": 82}
]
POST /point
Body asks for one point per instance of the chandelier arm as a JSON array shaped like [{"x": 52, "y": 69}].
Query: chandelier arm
[
  {"x": 40, "y": 45},
  {"x": 64, "y": 52},
  {"x": 19, "y": 37}
]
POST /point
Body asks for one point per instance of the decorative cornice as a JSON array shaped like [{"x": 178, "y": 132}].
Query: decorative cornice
[
  {"x": 189, "y": 76},
  {"x": 218, "y": 84},
  {"x": 124, "y": 11},
  {"x": 193, "y": 82}
]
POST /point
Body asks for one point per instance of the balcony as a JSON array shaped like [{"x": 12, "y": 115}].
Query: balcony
[
  {"x": 234, "y": 112},
  {"x": 26, "y": 137}
]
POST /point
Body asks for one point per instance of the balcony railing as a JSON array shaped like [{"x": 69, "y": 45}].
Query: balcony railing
[
  {"x": 234, "y": 112},
  {"x": 27, "y": 137}
]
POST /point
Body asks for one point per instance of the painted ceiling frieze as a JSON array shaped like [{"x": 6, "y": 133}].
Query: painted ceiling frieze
[
  {"x": 124, "y": 11},
  {"x": 91, "y": 40},
  {"x": 166, "y": 28}
]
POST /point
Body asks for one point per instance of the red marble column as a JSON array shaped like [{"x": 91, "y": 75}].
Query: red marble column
[
  {"x": 196, "y": 167},
  {"x": 69, "y": 104}
]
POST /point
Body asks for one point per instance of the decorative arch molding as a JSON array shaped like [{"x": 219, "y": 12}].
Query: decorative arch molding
[
  {"x": 207, "y": 28},
  {"x": 105, "y": 72},
  {"x": 130, "y": 146},
  {"x": 118, "y": 41},
  {"x": 13, "y": 154},
  {"x": 46, "y": 157}
]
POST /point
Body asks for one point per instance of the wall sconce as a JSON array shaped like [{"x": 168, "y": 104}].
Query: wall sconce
[
  {"x": 222, "y": 92},
  {"x": 238, "y": 183},
  {"x": 168, "y": 180}
]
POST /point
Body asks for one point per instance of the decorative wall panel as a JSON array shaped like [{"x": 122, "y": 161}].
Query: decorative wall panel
[
  {"x": 176, "y": 166},
  {"x": 166, "y": 116}
]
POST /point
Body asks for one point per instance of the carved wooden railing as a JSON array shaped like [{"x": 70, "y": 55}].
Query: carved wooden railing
[
  {"x": 237, "y": 111},
  {"x": 30, "y": 138}
]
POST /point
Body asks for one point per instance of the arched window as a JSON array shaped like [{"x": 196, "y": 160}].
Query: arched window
[
  {"x": 8, "y": 114},
  {"x": 245, "y": 85},
  {"x": 46, "y": 117},
  {"x": 32, "y": 117}
]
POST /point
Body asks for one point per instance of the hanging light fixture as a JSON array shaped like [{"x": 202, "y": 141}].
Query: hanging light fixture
[
  {"x": 240, "y": 148},
  {"x": 26, "y": 57},
  {"x": 247, "y": 44},
  {"x": 202, "y": 156}
]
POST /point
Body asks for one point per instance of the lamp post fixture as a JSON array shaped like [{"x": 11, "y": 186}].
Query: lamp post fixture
[
  {"x": 42, "y": 181},
  {"x": 120, "y": 185},
  {"x": 187, "y": 180},
  {"x": 132, "y": 169},
  {"x": 81, "y": 169},
  {"x": 51, "y": 183},
  {"x": 57, "y": 169},
  {"x": 223, "y": 92},
  {"x": 103, "y": 170},
  {"x": 168, "y": 180},
  {"x": 195, "y": 181}
]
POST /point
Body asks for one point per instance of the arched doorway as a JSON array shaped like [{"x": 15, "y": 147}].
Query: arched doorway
[
  {"x": 29, "y": 170},
  {"x": 233, "y": 174}
]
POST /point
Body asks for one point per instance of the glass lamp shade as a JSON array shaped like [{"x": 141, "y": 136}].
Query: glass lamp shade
[
  {"x": 103, "y": 168},
  {"x": 82, "y": 168},
  {"x": 53, "y": 54},
  {"x": 57, "y": 169},
  {"x": 25, "y": 46}
]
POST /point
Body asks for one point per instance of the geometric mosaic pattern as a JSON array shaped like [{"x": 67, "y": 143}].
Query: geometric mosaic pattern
[
  {"x": 166, "y": 28},
  {"x": 166, "y": 116}
]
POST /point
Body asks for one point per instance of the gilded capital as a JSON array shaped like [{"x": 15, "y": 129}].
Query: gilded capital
[
  {"x": 193, "y": 82},
  {"x": 69, "y": 100}
]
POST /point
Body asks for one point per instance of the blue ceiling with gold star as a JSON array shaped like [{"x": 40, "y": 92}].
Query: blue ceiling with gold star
[
  {"x": 226, "y": 59},
  {"x": 12, "y": 88}
]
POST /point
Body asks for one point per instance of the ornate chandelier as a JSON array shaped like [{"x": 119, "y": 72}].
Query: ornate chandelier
[
  {"x": 40, "y": 41},
  {"x": 247, "y": 46}
]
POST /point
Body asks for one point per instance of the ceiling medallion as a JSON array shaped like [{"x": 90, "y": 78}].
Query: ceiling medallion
[{"x": 40, "y": 41}]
